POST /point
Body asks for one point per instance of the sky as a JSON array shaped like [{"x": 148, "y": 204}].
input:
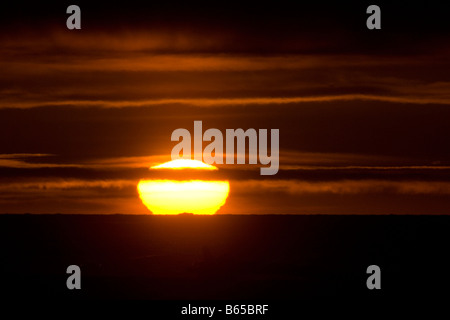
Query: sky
[{"x": 363, "y": 114}]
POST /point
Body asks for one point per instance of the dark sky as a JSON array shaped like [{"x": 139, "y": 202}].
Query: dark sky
[{"x": 363, "y": 114}]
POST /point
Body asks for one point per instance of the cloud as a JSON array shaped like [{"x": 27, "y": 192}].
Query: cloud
[
  {"x": 290, "y": 160},
  {"x": 163, "y": 69},
  {"x": 23, "y": 155},
  {"x": 42, "y": 43},
  {"x": 297, "y": 167},
  {"x": 246, "y": 196},
  {"x": 65, "y": 184},
  {"x": 235, "y": 102},
  {"x": 126, "y": 162},
  {"x": 140, "y": 62},
  {"x": 296, "y": 187},
  {"x": 25, "y": 165},
  {"x": 292, "y": 187},
  {"x": 22, "y": 161}
]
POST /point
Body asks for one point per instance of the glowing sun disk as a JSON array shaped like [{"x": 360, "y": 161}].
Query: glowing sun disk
[
  {"x": 190, "y": 196},
  {"x": 175, "y": 197},
  {"x": 185, "y": 164}
]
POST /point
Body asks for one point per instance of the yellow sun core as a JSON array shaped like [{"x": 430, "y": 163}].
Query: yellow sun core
[{"x": 170, "y": 197}]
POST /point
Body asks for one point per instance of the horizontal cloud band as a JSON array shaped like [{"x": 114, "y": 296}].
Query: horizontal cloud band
[
  {"x": 206, "y": 102},
  {"x": 293, "y": 187}
]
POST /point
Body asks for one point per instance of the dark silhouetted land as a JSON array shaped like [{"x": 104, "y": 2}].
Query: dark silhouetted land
[{"x": 223, "y": 257}]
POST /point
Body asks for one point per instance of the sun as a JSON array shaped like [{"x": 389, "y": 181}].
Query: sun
[
  {"x": 184, "y": 164},
  {"x": 170, "y": 197}
]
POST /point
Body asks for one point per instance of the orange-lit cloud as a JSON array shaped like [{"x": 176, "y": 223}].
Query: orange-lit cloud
[
  {"x": 345, "y": 186},
  {"x": 227, "y": 102},
  {"x": 22, "y": 161},
  {"x": 246, "y": 197},
  {"x": 64, "y": 184},
  {"x": 255, "y": 186},
  {"x": 150, "y": 60},
  {"x": 289, "y": 159}
]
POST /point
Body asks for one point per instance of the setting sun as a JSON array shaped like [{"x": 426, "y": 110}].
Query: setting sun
[
  {"x": 172, "y": 197},
  {"x": 184, "y": 164}
]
